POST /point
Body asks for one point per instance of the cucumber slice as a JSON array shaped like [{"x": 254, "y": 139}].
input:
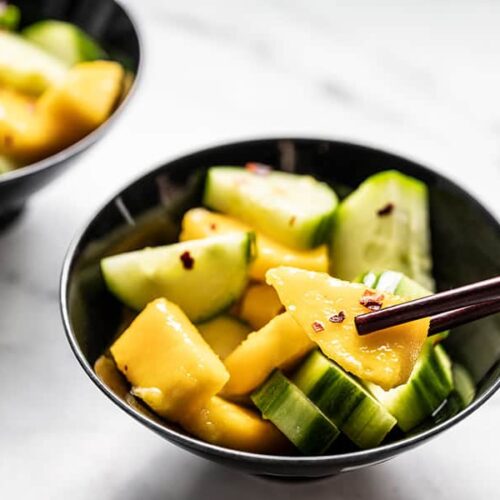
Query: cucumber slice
[
  {"x": 463, "y": 385},
  {"x": 203, "y": 277},
  {"x": 399, "y": 284},
  {"x": 429, "y": 385},
  {"x": 300, "y": 420},
  {"x": 223, "y": 334},
  {"x": 295, "y": 210},
  {"x": 384, "y": 225},
  {"x": 10, "y": 15},
  {"x": 26, "y": 67},
  {"x": 463, "y": 393},
  {"x": 64, "y": 40},
  {"x": 343, "y": 400}
]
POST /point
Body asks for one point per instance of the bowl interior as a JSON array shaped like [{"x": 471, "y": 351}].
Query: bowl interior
[{"x": 466, "y": 246}]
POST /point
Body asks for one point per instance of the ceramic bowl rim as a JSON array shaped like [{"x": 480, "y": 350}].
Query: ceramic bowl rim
[{"x": 189, "y": 442}]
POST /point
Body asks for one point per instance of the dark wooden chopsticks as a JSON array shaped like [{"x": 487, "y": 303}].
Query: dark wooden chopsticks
[
  {"x": 451, "y": 319},
  {"x": 446, "y": 309}
]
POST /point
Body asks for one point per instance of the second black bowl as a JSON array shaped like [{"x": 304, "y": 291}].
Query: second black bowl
[
  {"x": 466, "y": 247},
  {"x": 114, "y": 29}
]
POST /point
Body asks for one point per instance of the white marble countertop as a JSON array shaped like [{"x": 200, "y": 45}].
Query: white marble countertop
[{"x": 419, "y": 78}]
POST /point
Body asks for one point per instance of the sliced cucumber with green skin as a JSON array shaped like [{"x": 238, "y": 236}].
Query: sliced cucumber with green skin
[
  {"x": 26, "y": 67},
  {"x": 203, "y": 277},
  {"x": 398, "y": 284},
  {"x": 463, "y": 393},
  {"x": 300, "y": 420},
  {"x": 429, "y": 385},
  {"x": 343, "y": 400},
  {"x": 394, "y": 282},
  {"x": 463, "y": 385},
  {"x": 295, "y": 210},
  {"x": 10, "y": 15},
  {"x": 64, "y": 40},
  {"x": 384, "y": 224}
]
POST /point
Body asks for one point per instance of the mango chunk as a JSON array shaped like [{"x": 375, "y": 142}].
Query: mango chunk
[
  {"x": 223, "y": 334},
  {"x": 167, "y": 361},
  {"x": 279, "y": 344},
  {"x": 18, "y": 123},
  {"x": 325, "y": 308},
  {"x": 233, "y": 426},
  {"x": 259, "y": 305},
  {"x": 85, "y": 99},
  {"x": 200, "y": 223},
  {"x": 34, "y": 129}
]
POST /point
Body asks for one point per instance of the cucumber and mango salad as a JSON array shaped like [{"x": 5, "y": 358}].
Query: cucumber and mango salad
[
  {"x": 56, "y": 86},
  {"x": 244, "y": 330}
]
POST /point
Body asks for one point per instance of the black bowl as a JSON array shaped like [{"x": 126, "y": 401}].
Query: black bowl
[
  {"x": 466, "y": 247},
  {"x": 111, "y": 25}
]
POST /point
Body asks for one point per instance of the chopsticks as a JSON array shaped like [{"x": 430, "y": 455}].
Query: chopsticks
[
  {"x": 451, "y": 319},
  {"x": 446, "y": 309}
]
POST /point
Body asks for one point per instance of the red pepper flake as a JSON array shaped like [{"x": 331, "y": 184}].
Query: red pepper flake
[
  {"x": 386, "y": 210},
  {"x": 125, "y": 367},
  {"x": 372, "y": 300},
  {"x": 317, "y": 326},
  {"x": 337, "y": 318},
  {"x": 187, "y": 260},
  {"x": 213, "y": 226},
  {"x": 258, "y": 168},
  {"x": 8, "y": 141},
  {"x": 292, "y": 220}
]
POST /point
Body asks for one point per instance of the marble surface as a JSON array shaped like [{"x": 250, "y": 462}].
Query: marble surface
[{"x": 420, "y": 78}]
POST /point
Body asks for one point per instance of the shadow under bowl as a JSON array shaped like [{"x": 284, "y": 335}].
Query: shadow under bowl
[
  {"x": 466, "y": 247},
  {"x": 114, "y": 29}
]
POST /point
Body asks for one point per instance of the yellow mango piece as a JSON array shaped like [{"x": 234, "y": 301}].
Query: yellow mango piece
[
  {"x": 85, "y": 99},
  {"x": 233, "y": 426},
  {"x": 199, "y": 223},
  {"x": 105, "y": 369},
  {"x": 223, "y": 334},
  {"x": 259, "y": 305},
  {"x": 15, "y": 109},
  {"x": 31, "y": 130},
  {"x": 314, "y": 299},
  {"x": 17, "y": 122},
  {"x": 167, "y": 361},
  {"x": 277, "y": 345}
]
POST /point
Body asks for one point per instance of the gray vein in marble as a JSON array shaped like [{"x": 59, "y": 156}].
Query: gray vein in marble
[
  {"x": 342, "y": 93},
  {"x": 404, "y": 72},
  {"x": 339, "y": 91},
  {"x": 213, "y": 31},
  {"x": 303, "y": 16},
  {"x": 407, "y": 71},
  {"x": 15, "y": 280}
]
